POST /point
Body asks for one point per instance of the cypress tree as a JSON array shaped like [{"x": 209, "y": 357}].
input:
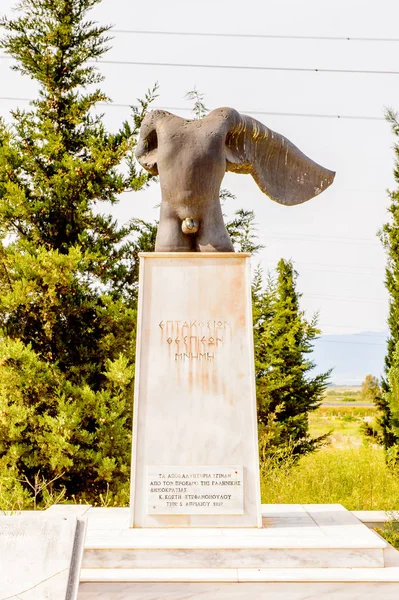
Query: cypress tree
[
  {"x": 68, "y": 272},
  {"x": 393, "y": 401},
  {"x": 389, "y": 236},
  {"x": 286, "y": 391}
]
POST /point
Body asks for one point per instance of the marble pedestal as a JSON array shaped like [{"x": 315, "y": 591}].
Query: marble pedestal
[
  {"x": 195, "y": 447},
  {"x": 303, "y": 552},
  {"x": 195, "y": 527}
]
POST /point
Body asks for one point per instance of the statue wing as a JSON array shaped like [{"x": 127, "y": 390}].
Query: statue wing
[{"x": 279, "y": 168}]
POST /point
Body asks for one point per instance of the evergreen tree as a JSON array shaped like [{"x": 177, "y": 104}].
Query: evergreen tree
[
  {"x": 393, "y": 400},
  {"x": 286, "y": 392},
  {"x": 68, "y": 272},
  {"x": 370, "y": 390},
  {"x": 69, "y": 276},
  {"x": 389, "y": 235},
  {"x": 242, "y": 230}
]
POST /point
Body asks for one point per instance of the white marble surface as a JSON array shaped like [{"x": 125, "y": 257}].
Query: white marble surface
[
  {"x": 340, "y": 575},
  {"x": 377, "y": 518},
  {"x": 40, "y": 555},
  {"x": 321, "y": 536},
  {"x": 285, "y": 526},
  {"x": 195, "y": 403},
  {"x": 233, "y": 557},
  {"x": 294, "y": 536},
  {"x": 240, "y": 591},
  {"x": 69, "y": 510}
]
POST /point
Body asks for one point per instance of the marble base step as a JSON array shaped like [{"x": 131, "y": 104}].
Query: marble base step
[
  {"x": 239, "y": 591},
  {"x": 243, "y": 584},
  {"x": 303, "y": 552},
  {"x": 305, "y": 575},
  {"x": 293, "y": 536}
]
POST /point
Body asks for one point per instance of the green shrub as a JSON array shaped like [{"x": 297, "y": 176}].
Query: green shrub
[{"x": 390, "y": 530}]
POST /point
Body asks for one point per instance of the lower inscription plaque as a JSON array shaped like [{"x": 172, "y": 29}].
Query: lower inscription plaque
[{"x": 195, "y": 490}]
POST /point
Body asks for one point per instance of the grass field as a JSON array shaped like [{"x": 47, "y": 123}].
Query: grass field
[
  {"x": 344, "y": 424},
  {"x": 350, "y": 471},
  {"x": 342, "y": 414},
  {"x": 344, "y": 394},
  {"x": 357, "y": 478}
]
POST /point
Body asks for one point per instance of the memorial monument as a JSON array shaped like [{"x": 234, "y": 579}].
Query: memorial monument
[
  {"x": 195, "y": 444},
  {"x": 191, "y": 158},
  {"x": 196, "y": 527}
]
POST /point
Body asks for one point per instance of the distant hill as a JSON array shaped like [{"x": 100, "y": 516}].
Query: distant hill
[{"x": 353, "y": 356}]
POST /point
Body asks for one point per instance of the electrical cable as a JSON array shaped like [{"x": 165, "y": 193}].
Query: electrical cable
[
  {"x": 256, "y": 36},
  {"x": 236, "y": 67},
  {"x": 361, "y": 333},
  {"x": 342, "y": 299},
  {"x": 321, "y": 341},
  {"x": 252, "y": 112},
  {"x": 245, "y": 67},
  {"x": 327, "y": 240}
]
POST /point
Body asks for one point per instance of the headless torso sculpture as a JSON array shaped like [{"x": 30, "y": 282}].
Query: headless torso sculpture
[
  {"x": 195, "y": 419},
  {"x": 191, "y": 158}
]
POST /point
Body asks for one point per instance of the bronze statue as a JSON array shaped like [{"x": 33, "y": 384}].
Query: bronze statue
[{"x": 191, "y": 158}]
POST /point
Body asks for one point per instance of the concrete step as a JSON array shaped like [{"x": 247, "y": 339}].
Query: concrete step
[
  {"x": 293, "y": 536},
  {"x": 235, "y": 557},
  {"x": 341, "y": 575},
  {"x": 302, "y": 553},
  {"x": 265, "y": 587}
]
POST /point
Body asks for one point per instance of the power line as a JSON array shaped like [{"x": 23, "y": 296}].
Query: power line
[
  {"x": 246, "y": 67},
  {"x": 16, "y": 99},
  {"x": 377, "y": 270},
  {"x": 235, "y": 67},
  {"x": 303, "y": 266},
  {"x": 252, "y": 112},
  {"x": 293, "y": 235},
  {"x": 330, "y": 240},
  {"x": 342, "y": 299},
  {"x": 364, "y": 328},
  {"x": 368, "y": 273},
  {"x": 256, "y": 36},
  {"x": 283, "y": 114},
  {"x": 321, "y": 341}
]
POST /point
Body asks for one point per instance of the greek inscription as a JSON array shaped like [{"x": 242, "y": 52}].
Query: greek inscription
[
  {"x": 201, "y": 339},
  {"x": 192, "y": 356},
  {"x": 195, "y": 490}
]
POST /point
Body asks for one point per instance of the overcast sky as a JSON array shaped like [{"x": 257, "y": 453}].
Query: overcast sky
[{"x": 332, "y": 238}]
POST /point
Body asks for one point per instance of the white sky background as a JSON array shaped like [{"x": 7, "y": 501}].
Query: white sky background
[{"x": 332, "y": 238}]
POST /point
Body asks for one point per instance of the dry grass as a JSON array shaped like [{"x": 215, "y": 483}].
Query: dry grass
[
  {"x": 356, "y": 477},
  {"x": 344, "y": 423}
]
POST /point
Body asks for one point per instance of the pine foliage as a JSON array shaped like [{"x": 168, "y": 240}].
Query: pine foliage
[
  {"x": 68, "y": 271},
  {"x": 393, "y": 395},
  {"x": 389, "y": 235},
  {"x": 286, "y": 391},
  {"x": 69, "y": 276}
]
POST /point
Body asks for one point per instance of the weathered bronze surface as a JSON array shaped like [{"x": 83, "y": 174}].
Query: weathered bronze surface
[{"x": 191, "y": 158}]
